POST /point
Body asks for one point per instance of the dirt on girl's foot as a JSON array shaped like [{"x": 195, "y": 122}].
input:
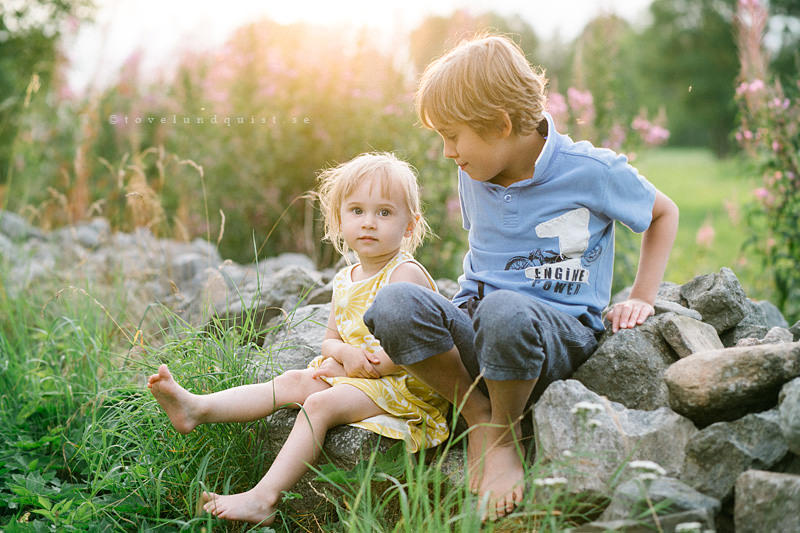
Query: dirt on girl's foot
[
  {"x": 503, "y": 480},
  {"x": 247, "y": 506},
  {"x": 177, "y": 402}
]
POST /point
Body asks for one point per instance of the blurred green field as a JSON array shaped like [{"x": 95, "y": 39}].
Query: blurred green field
[{"x": 709, "y": 192}]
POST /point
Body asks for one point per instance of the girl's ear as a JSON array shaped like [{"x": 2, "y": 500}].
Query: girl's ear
[{"x": 411, "y": 225}]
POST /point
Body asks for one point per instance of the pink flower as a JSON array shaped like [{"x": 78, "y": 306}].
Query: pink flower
[
  {"x": 582, "y": 104},
  {"x": 776, "y": 146},
  {"x": 761, "y": 193},
  {"x": 705, "y": 235},
  {"x": 732, "y": 209},
  {"x": 557, "y": 107},
  {"x": 756, "y": 85}
]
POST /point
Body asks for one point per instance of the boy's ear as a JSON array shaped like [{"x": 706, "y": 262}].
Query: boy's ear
[{"x": 505, "y": 125}]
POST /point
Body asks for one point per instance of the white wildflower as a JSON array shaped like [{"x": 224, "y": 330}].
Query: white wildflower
[
  {"x": 567, "y": 453},
  {"x": 595, "y": 423},
  {"x": 648, "y": 466},
  {"x": 550, "y": 481},
  {"x": 689, "y": 527},
  {"x": 586, "y": 407},
  {"x": 647, "y": 476}
]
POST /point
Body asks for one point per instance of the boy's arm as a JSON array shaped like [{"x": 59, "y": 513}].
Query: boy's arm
[{"x": 657, "y": 243}]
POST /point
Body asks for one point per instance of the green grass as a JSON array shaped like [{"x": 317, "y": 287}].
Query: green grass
[{"x": 701, "y": 185}]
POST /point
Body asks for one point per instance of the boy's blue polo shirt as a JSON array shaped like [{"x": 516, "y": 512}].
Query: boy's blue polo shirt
[{"x": 551, "y": 236}]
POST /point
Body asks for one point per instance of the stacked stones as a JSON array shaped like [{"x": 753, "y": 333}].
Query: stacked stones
[{"x": 704, "y": 397}]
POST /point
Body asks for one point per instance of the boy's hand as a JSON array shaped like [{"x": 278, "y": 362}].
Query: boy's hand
[{"x": 629, "y": 313}]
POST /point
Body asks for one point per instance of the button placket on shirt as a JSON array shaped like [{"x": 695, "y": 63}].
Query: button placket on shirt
[{"x": 509, "y": 208}]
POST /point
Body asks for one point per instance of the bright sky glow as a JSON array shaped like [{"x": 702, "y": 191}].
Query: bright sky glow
[{"x": 159, "y": 28}]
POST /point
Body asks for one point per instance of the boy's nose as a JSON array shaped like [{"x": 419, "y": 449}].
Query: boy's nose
[{"x": 449, "y": 151}]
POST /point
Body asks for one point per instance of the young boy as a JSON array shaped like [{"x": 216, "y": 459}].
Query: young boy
[{"x": 540, "y": 211}]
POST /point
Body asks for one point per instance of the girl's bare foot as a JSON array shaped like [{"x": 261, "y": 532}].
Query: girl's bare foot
[
  {"x": 248, "y": 506},
  {"x": 503, "y": 479},
  {"x": 180, "y": 405}
]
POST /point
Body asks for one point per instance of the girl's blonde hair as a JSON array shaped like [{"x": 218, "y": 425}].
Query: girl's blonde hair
[
  {"x": 337, "y": 183},
  {"x": 475, "y": 82}
]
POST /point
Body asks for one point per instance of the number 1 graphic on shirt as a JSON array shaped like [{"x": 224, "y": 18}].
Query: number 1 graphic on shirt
[{"x": 571, "y": 229}]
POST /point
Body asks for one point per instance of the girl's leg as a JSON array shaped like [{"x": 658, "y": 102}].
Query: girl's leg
[
  {"x": 322, "y": 411},
  {"x": 238, "y": 404}
]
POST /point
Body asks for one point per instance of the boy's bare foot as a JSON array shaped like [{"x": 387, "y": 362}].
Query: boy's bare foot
[
  {"x": 247, "y": 506},
  {"x": 476, "y": 457},
  {"x": 503, "y": 479},
  {"x": 179, "y": 404}
]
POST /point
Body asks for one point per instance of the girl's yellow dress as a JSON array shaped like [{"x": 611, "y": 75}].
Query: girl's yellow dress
[{"x": 416, "y": 413}]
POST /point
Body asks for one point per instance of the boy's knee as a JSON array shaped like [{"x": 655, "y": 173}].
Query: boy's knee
[
  {"x": 497, "y": 314},
  {"x": 392, "y": 306}
]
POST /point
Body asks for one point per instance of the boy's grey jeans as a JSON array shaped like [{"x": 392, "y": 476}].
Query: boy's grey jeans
[{"x": 509, "y": 337}]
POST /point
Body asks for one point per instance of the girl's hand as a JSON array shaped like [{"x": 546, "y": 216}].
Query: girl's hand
[
  {"x": 357, "y": 365},
  {"x": 629, "y": 313},
  {"x": 330, "y": 367}
]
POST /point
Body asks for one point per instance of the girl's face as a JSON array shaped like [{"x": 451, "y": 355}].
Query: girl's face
[{"x": 374, "y": 224}]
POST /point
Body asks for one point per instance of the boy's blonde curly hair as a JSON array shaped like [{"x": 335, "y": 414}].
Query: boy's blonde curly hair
[
  {"x": 476, "y": 81},
  {"x": 337, "y": 183}
]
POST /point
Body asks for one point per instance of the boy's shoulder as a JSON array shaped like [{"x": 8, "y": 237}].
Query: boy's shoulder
[{"x": 585, "y": 153}]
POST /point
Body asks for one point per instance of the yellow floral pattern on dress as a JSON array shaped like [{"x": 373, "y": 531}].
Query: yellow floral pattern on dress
[{"x": 416, "y": 413}]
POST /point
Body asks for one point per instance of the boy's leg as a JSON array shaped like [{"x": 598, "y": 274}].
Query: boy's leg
[
  {"x": 434, "y": 341},
  {"x": 522, "y": 346},
  {"x": 237, "y": 404},
  {"x": 336, "y": 406}
]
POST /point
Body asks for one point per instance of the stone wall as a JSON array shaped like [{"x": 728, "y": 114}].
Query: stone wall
[{"x": 699, "y": 407}]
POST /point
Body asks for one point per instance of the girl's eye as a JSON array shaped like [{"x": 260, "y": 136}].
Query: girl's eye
[
  {"x": 357, "y": 210},
  {"x": 384, "y": 212}
]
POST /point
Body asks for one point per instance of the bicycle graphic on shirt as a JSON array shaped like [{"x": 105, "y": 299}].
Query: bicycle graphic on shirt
[{"x": 562, "y": 271}]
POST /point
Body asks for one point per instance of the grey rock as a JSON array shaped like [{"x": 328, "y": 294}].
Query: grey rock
[
  {"x": 17, "y": 228},
  {"x": 718, "y": 297},
  {"x": 726, "y": 384},
  {"x": 795, "y": 329},
  {"x": 294, "y": 341},
  {"x": 7, "y": 249},
  {"x": 276, "y": 296},
  {"x": 754, "y": 325},
  {"x": 270, "y": 266},
  {"x": 320, "y": 295},
  {"x": 447, "y": 288},
  {"x": 776, "y": 335},
  {"x": 766, "y": 501},
  {"x": 667, "y": 291},
  {"x": 603, "y": 441},
  {"x": 719, "y": 453},
  {"x": 687, "y": 335},
  {"x": 789, "y": 414},
  {"x": 628, "y": 367},
  {"x": 665, "y": 306},
  {"x": 668, "y": 523},
  {"x": 634, "y": 497},
  {"x": 773, "y": 315}
]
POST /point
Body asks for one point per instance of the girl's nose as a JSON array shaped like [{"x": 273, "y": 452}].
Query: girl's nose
[{"x": 368, "y": 221}]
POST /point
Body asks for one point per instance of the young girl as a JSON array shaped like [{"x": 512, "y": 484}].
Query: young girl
[{"x": 371, "y": 206}]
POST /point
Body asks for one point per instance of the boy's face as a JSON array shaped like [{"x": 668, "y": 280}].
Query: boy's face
[{"x": 482, "y": 157}]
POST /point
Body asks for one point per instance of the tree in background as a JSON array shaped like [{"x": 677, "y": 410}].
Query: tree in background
[
  {"x": 29, "y": 36},
  {"x": 435, "y": 35},
  {"x": 688, "y": 59}
]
